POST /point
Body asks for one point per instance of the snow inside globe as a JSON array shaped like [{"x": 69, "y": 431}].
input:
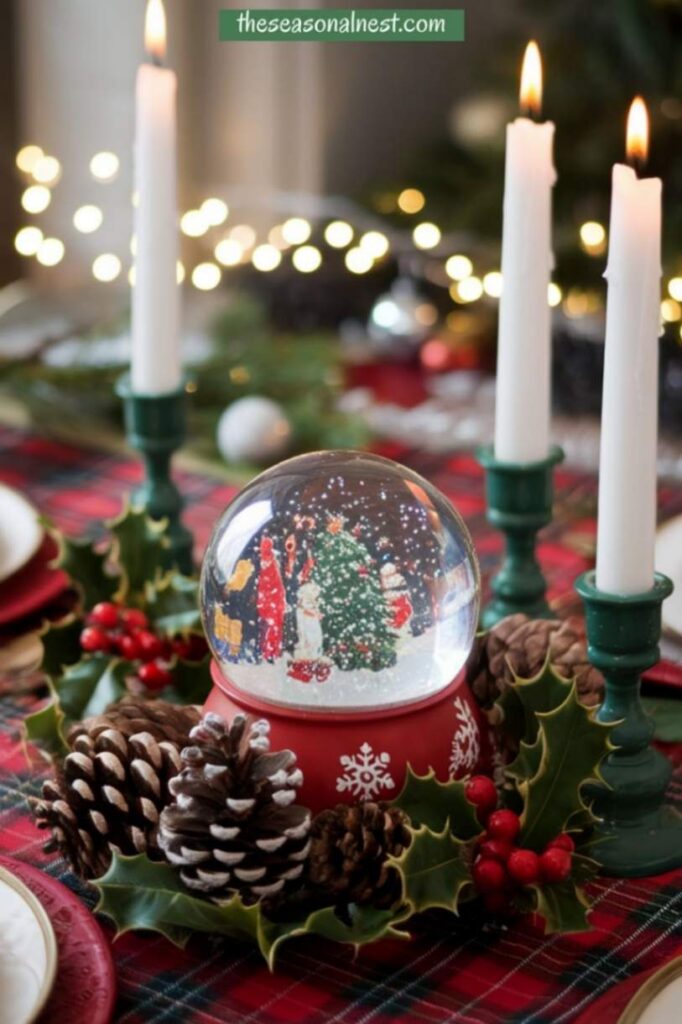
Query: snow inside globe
[{"x": 340, "y": 580}]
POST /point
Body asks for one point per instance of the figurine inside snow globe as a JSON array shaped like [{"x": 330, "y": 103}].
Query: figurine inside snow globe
[{"x": 341, "y": 588}]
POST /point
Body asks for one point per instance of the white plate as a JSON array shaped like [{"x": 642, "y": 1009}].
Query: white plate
[
  {"x": 669, "y": 560},
  {"x": 28, "y": 952},
  {"x": 20, "y": 531},
  {"x": 658, "y": 999}
]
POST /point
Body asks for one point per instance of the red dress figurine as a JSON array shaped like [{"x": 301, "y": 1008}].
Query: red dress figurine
[{"x": 270, "y": 602}]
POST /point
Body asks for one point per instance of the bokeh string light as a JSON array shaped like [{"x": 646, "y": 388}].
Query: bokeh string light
[{"x": 361, "y": 245}]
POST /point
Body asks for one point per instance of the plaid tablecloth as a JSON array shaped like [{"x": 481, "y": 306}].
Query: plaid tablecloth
[{"x": 454, "y": 972}]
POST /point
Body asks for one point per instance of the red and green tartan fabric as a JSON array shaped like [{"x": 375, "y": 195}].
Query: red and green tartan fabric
[{"x": 453, "y": 972}]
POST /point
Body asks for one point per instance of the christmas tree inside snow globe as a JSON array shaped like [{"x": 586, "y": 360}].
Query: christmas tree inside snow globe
[{"x": 339, "y": 587}]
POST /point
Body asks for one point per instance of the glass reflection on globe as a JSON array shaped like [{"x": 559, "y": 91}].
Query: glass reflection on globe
[{"x": 340, "y": 580}]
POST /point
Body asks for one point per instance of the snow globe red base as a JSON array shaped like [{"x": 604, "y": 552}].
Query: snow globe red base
[{"x": 340, "y": 597}]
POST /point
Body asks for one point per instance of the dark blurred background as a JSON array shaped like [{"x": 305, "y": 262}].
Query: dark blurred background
[{"x": 402, "y": 143}]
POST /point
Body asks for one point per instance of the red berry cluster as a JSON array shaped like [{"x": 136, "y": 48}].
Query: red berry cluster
[
  {"x": 114, "y": 629},
  {"x": 499, "y": 865}
]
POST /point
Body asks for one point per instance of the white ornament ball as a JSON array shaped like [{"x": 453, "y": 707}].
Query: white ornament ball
[
  {"x": 253, "y": 429},
  {"x": 400, "y": 319}
]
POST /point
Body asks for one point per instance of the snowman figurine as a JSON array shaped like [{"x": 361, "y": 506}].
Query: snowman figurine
[
  {"x": 397, "y": 597},
  {"x": 308, "y": 661}
]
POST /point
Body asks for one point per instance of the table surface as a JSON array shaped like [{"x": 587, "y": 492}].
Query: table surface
[{"x": 453, "y": 971}]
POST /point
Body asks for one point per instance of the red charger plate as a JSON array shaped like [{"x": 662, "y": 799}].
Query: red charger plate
[
  {"x": 85, "y": 988},
  {"x": 33, "y": 586}
]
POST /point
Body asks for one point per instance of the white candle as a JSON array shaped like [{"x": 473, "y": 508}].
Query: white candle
[
  {"x": 155, "y": 365},
  {"x": 629, "y": 425},
  {"x": 522, "y": 403}
]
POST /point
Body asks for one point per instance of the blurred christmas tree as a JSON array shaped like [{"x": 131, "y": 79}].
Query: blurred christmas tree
[
  {"x": 596, "y": 56},
  {"x": 355, "y": 620}
]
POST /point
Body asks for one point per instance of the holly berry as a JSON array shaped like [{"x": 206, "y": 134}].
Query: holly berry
[
  {"x": 182, "y": 648},
  {"x": 482, "y": 793},
  {"x": 154, "y": 675},
  {"x": 562, "y": 842},
  {"x": 93, "y": 640},
  {"x": 105, "y": 614},
  {"x": 128, "y": 647},
  {"x": 488, "y": 875},
  {"x": 555, "y": 864},
  {"x": 134, "y": 618},
  {"x": 495, "y": 849},
  {"x": 524, "y": 866},
  {"x": 503, "y": 824},
  {"x": 149, "y": 645}
]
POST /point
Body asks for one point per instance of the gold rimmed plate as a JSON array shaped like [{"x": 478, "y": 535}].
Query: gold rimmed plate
[
  {"x": 659, "y": 998},
  {"x": 28, "y": 952}
]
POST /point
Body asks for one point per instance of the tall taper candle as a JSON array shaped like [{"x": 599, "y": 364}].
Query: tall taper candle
[
  {"x": 629, "y": 426},
  {"x": 155, "y": 365},
  {"x": 522, "y": 404}
]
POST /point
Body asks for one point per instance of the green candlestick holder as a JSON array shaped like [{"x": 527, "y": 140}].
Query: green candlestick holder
[
  {"x": 638, "y": 834},
  {"x": 519, "y": 503},
  {"x": 155, "y": 426}
]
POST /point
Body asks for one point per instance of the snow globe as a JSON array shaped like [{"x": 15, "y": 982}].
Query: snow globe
[{"x": 340, "y": 598}]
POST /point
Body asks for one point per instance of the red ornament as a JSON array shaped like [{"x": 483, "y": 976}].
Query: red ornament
[
  {"x": 93, "y": 639},
  {"x": 497, "y": 849},
  {"x": 149, "y": 644},
  {"x": 105, "y": 614},
  {"x": 555, "y": 864},
  {"x": 503, "y": 824},
  {"x": 482, "y": 793},
  {"x": 562, "y": 842},
  {"x": 154, "y": 675},
  {"x": 524, "y": 866},
  {"x": 489, "y": 875},
  {"x": 134, "y": 618}
]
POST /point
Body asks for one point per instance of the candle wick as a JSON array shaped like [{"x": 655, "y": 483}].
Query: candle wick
[
  {"x": 637, "y": 164},
  {"x": 530, "y": 111},
  {"x": 155, "y": 60}
]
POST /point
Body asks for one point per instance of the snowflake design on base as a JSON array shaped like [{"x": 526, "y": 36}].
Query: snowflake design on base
[
  {"x": 466, "y": 742},
  {"x": 365, "y": 773}
]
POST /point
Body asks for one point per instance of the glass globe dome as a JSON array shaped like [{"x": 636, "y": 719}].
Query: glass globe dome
[{"x": 340, "y": 580}]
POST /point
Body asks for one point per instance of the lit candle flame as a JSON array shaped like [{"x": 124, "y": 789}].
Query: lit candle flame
[
  {"x": 637, "y": 135},
  {"x": 530, "y": 93},
  {"x": 155, "y": 30}
]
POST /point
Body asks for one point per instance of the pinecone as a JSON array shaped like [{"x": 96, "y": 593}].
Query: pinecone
[
  {"x": 110, "y": 789},
  {"x": 349, "y": 850},
  {"x": 233, "y": 824},
  {"x": 519, "y": 645}
]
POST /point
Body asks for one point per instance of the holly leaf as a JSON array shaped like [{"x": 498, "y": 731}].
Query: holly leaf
[
  {"x": 61, "y": 644},
  {"x": 173, "y": 605},
  {"x": 426, "y": 801},
  {"x": 564, "y": 907},
  {"x": 365, "y": 925},
  {"x": 138, "y": 893},
  {"x": 89, "y": 686},
  {"x": 433, "y": 869},
  {"x": 87, "y": 568},
  {"x": 191, "y": 682},
  {"x": 583, "y": 869},
  {"x": 667, "y": 719},
  {"x": 526, "y": 764},
  {"x": 45, "y": 728},
  {"x": 140, "y": 547},
  {"x": 526, "y": 698},
  {"x": 572, "y": 744}
]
